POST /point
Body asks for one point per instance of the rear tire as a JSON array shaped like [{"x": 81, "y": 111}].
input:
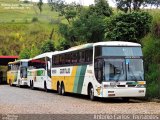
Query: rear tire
[
  {"x": 62, "y": 89},
  {"x": 59, "y": 88}
]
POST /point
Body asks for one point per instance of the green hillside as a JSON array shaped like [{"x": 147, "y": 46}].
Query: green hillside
[
  {"x": 25, "y": 27},
  {"x": 15, "y": 11}
]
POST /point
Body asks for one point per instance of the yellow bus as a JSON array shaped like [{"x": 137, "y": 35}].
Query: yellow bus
[{"x": 17, "y": 72}]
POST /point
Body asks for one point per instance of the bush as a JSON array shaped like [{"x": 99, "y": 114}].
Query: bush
[
  {"x": 13, "y": 21},
  {"x": 47, "y": 46},
  {"x": 151, "y": 53},
  {"x": 34, "y": 19},
  {"x": 25, "y": 54},
  {"x": 62, "y": 45},
  {"x": 26, "y": 1}
]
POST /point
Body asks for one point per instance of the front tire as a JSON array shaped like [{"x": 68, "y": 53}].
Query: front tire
[
  {"x": 19, "y": 84},
  {"x": 125, "y": 99},
  {"x": 45, "y": 87},
  {"x": 32, "y": 86},
  {"x": 10, "y": 82},
  {"x": 91, "y": 93}
]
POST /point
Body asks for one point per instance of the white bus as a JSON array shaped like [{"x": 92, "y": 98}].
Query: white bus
[
  {"x": 103, "y": 69},
  {"x": 39, "y": 71},
  {"x": 17, "y": 72}
]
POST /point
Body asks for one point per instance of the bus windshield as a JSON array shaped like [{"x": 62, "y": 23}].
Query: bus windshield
[
  {"x": 119, "y": 63},
  {"x": 23, "y": 72},
  {"x": 123, "y": 69}
]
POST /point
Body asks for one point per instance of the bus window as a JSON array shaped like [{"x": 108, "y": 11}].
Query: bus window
[
  {"x": 56, "y": 59},
  {"x": 75, "y": 57},
  {"x": 9, "y": 67},
  {"x": 89, "y": 55},
  {"x": 98, "y": 67},
  {"x": 82, "y": 56},
  {"x": 62, "y": 59},
  {"x": 68, "y": 58}
]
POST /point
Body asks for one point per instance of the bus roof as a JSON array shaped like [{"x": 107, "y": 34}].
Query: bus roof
[
  {"x": 17, "y": 61},
  {"x": 47, "y": 54},
  {"x": 107, "y": 43},
  {"x": 88, "y": 45},
  {"x": 117, "y": 43}
]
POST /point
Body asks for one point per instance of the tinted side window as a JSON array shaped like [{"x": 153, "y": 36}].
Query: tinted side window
[
  {"x": 89, "y": 55},
  {"x": 82, "y": 56}
]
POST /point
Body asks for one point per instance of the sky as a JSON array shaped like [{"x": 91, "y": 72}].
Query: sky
[
  {"x": 89, "y": 2},
  {"x": 84, "y": 2}
]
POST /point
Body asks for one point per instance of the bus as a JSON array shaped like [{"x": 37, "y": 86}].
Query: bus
[
  {"x": 39, "y": 71},
  {"x": 17, "y": 73},
  {"x": 102, "y": 69}
]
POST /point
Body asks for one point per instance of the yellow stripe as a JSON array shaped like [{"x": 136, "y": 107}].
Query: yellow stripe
[{"x": 67, "y": 80}]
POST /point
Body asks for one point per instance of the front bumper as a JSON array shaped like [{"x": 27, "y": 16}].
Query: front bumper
[{"x": 123, "y": 92}]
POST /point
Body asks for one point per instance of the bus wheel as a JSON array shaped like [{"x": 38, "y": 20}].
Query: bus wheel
[
  {"x": 10, "y": 82},
  {"x": 125, "y": 99},
  {"x": 62, "y": 89},
  {"x": 19, "y": 85},
  {"x": 45, "y": 87},
  {"x": 59, "y": 88},
  {"x": 32, "y": 86},
  {"x": 91, "y": 93}
]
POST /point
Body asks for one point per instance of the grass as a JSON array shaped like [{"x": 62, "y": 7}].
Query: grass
[{"x": 19, "y": 14}]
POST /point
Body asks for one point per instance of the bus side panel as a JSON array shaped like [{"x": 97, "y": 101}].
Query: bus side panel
[
  {"x": 89, "y": 78},
  {"x": 55, "y": 79},
  {"x": 67, "y": 80},
  {"x": 70, "y": 80},
  {"x": 79, "y": 79}
]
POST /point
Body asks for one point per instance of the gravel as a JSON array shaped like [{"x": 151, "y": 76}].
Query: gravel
[{"x": 14, "y": 100}]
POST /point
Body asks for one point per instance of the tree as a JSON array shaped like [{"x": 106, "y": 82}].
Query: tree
[
  {"x": 40, "y": 4},
  {"x": 129, "y": 5},
  {"x": 47, "y": 46},
  {"x": 128, "y": 27},
  {"x": 89, "y": 28},
  {"x": 101, "y": 8},
  {"x": 89, "y": 25},
  {"x": 69, "y": 11},
  {"x": 153, "y": 3}
]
